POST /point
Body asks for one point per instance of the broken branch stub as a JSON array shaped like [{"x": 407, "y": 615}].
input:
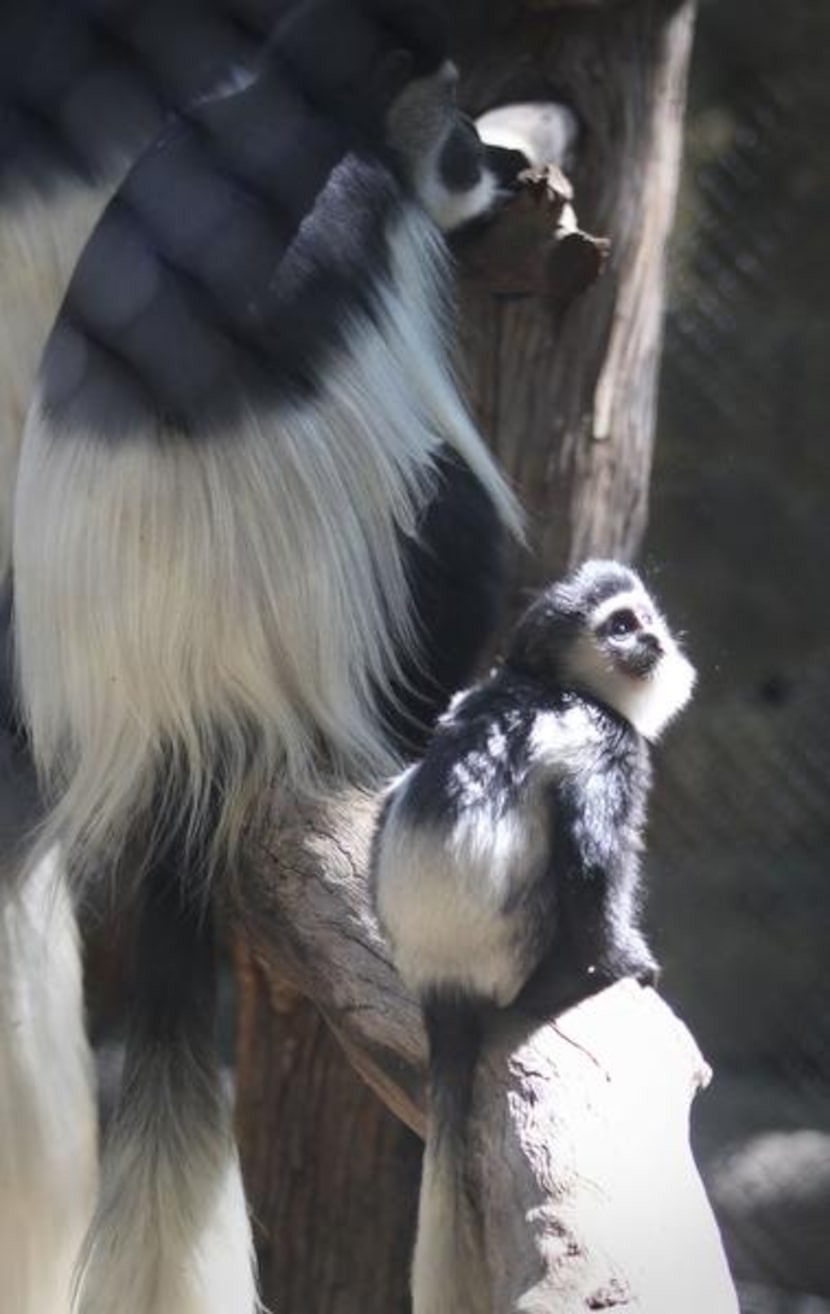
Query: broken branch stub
[{"x": 533, "y": 247}]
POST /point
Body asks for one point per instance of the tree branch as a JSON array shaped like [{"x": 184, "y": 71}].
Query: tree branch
[{"x": 587, "y": 1191}]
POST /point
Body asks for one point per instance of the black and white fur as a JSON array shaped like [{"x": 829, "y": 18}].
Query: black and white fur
[
  {"x": 48, "y": 1144},
  {"x": 257, "y": 542},
  {"x": 512, "y": 849},
  {"x": 82, "y": 88}
]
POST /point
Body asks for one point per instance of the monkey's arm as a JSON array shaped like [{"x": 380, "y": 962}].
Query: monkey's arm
[
  {"x": 598, "y": 816},
  {"x": 588, "y": 1110}
]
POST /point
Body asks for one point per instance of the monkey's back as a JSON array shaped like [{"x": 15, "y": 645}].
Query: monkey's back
[{"x": 465, "y": 867}]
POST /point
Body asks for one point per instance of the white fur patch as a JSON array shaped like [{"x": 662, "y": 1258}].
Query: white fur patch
[
  {"x": 236, "y": 598},
  {"x": 440, "y": 901},
  {"x": 48, "y": 1118},
  {"x": 451, "y": 209},
  {"x": 171, "y": 1234},
  {"x": 40, "y": 240},
  {"x": 448, "y": 1268},
  {"x": 633, "y": 598},
  {"x": 648, "y": 703},
  {"x": 564, "y": 741},
  {"x": 444, "y": 893}
]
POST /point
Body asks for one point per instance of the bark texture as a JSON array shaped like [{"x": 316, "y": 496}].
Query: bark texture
[
  {"x": 566, "y": 393},
  {"x": 583, "y": 1176}
]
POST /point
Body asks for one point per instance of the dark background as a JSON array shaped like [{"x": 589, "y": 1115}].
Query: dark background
[{"x": 740, "y": 543}]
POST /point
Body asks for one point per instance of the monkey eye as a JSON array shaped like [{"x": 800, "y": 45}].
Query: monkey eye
[{"x": 623, "y": 622}]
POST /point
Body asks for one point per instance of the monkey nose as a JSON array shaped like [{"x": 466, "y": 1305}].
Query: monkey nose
[{"x": 651, "y": 643}]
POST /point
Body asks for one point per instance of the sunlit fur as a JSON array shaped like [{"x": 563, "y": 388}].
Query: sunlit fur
[
  {"x": 515, "y": 844},
  {"x": 470, "y": 933},
  {"x": 48, "y": 1155},
  {"x": 177, "y": 581},
  {"x": 650, "y": 703}
]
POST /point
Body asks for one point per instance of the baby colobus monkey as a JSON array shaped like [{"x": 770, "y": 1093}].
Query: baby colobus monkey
[
  {"x": 515, "y": 844},
  {"x": 257, "y": 544}
]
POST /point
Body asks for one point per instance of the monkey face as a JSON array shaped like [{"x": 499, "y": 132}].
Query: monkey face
[
  {"x": 631, "y": 635},
  {"x": 625, "y": 654},
  {"x": 456, "y": 177},
  {"x": 600, "y": 631}
]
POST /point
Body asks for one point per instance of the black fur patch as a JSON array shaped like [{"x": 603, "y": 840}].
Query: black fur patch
[
  {"x": 456, "y": 573},
  {"x": 462, "y": 158},
  {"x": 174, "y": 984},
  {"x": 506, "y": 165},
  {"x": 481, "y": 752},
  {"x": 84, "y": 85},
  {"x": 453, "y": 1025},
  {"x": 231, "y": 264}
]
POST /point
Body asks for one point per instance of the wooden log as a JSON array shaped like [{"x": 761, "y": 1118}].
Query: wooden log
[
  {"x": 587, "y": 1191},
  {"x": 324, "y": 1157}
]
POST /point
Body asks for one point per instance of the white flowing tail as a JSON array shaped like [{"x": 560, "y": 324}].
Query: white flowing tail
[
  {"x": 171, "y": 1234},
  {"x": 48, "y": 1151},
  {"x": 448, "y": 1270}
]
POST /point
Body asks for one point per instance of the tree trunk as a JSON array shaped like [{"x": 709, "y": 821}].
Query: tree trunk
[
  {"x": 566, "y": 394},
  {"x": 323, "y": 1157},
  {"x": 564, "y": 389}
]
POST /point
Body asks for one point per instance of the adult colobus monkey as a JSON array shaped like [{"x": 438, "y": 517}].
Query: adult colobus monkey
[
  {"x": 82, "y": 87},
  {"x": 513, "y": 846},
  {"x": 257, "y": 541}
]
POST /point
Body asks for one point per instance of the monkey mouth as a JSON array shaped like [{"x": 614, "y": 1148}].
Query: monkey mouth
[{"x": 643, "y": 663}]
